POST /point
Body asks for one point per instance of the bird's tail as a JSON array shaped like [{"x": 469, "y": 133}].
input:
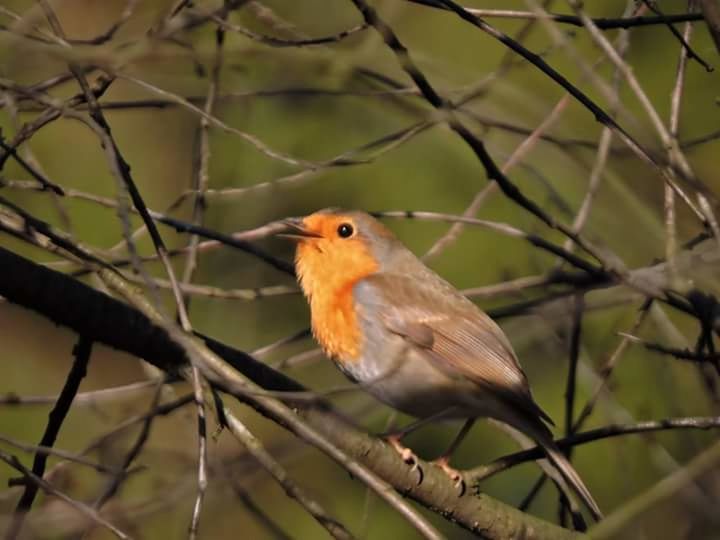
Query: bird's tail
[
  {"x": 568, "y": 472},
  {"x": 559, "y": 469}
]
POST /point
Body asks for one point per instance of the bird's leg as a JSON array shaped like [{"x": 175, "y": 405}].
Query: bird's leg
[
  {"x": 444, "y": 460},
  {"x": 407, "y": 455},
  {"x": 407, "y": 430},
  {"x": 395, "y": 437}
]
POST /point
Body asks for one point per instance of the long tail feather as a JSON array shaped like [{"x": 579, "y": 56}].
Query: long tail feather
[
  {"x": 531, "y": 432},
  {"x": 558, "y": 459},
  {"x": 521, "y": 413},
  {"x": 533, "y": 427}
]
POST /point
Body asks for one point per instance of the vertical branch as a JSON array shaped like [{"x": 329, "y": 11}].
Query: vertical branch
[
  {"x": 57, "y": 415},
  {"x": 669, "y": 203},
  {"x": 575, "y": 335},
  {"x": 571, "y": 386},
  {"x": 201, "y": 180},
  {"x": 202, "y": 451},
  {"x": 200, "y": 185},
  {"x": 675, "y": 104}
]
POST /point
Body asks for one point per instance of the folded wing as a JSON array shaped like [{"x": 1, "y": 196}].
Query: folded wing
[{"x": 454, "y": 333}]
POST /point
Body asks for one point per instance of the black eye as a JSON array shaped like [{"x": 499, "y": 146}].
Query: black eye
[{"x": 345, "y": 230}]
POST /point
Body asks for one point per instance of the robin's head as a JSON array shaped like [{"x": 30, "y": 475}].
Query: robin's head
[{"x": 336, "y": 248}]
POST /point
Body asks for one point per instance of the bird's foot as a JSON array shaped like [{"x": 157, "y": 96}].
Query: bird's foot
[
  {"x": 456, "y": 476},
  {"x": 407, "y": 455}
]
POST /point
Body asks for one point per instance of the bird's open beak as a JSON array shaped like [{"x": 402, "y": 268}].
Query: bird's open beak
[{"x": 298, "y": 231}]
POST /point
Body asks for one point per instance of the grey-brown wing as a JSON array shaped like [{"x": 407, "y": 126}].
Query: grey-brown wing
[{"x": 456, "y": 334}]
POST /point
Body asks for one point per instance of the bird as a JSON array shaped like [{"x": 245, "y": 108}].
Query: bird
[{"x": 410, "y": 338}]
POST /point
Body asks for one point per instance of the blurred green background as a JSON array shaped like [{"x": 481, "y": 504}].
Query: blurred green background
[{"x": 432, "y": 171}]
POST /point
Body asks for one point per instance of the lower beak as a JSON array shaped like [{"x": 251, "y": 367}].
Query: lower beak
[{"x": 298, "y": 231}]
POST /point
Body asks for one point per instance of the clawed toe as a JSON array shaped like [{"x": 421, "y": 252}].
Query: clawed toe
[
  {"x": 460, "y": 485},
  {"x": 408, "y": 456},
  {"x": 420, "y": 473},
  {"x": 455, "y": 475}
]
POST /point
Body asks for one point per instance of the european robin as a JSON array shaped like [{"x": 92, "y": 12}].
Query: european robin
[{"x": 409, "y": 337}]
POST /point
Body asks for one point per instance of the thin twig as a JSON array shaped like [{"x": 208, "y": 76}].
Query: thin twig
[
  {"x": 603, "y": 23},
  {"x": 522, "y": 149},
  {"x": 702, "y": 464},
  {"x": 502, "y": 228},
  {"x": 680, "y": 354},
  {"x": 607, "y": 369},
  {"x": 279, "y": 42},
  {"x": 711, "y": 14},
  {"x": 599, "y": 114},
  {"x": 612, "y": 430},
  {"x": 689, "y": 52},
  {"x": 258, "y": 144},
  {"x": 64, "y": 454},
  {"x": 92, "y": 397},
  {"x": 38, "y": 175},
  {"x": 261, "y": 515},
  {"x": 81, "y": 507},
  {"x": 114, "y": 484},
  {"x": 202, "y": 480},
  {"x": 574, "y": 356},
  {"x": 669, "y": 202},
  {"x": 290, "y": 487}
]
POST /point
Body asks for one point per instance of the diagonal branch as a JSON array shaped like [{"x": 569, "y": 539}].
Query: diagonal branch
[{"x": 55, "y": 421}]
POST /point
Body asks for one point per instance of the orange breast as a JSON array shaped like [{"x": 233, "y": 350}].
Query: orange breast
[
  {"x": 327, "y": 275},
  {"x": 335, "y": 324}
]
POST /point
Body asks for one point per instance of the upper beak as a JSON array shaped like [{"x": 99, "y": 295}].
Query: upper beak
[{"x": 298, "y": 231}]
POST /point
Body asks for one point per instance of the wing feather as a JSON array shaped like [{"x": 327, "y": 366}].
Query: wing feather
[{"x": 456, "y": 334}]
